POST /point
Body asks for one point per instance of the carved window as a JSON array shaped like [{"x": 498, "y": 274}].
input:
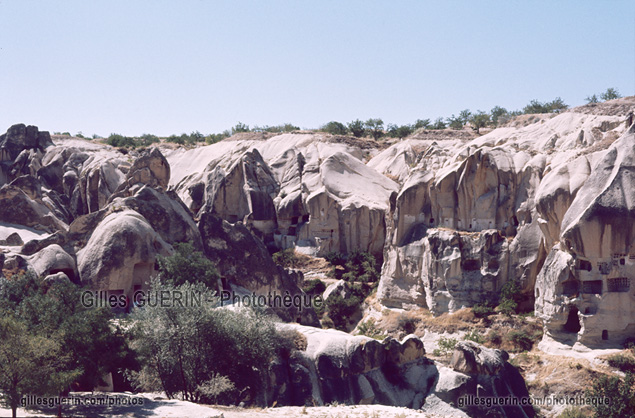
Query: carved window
[
  {"x": 592, "y": 286},
  {"x": 605, "y": 268},
  {"x": 619, "y": 284},
  {"x": 584, "y": 265}
]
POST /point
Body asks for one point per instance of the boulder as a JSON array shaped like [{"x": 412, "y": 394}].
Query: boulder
[
  {"x": 17, "y": 207},
  {"x": 12, "y": 240},
  {"x": 484, "y": 372},
  {"x": 51, "y": 260},
  {"x": 165, "y": 212},
  {"x": 121, "y": 253},
  {"x": 149, "y": 169},
  {"x": 338, "y": 367}
]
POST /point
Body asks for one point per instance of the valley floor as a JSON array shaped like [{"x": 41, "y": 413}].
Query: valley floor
[{"x": 160, "y": 407}]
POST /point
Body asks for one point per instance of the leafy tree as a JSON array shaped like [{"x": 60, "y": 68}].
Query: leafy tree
[
  {"x": 196, "y": 136},
  {"x": 621, "y": 394},
  {"x": 510, "y": 297},
  {"x": 149, "y": 139},
  {"x": 29, "y": 363},
  {"x": 421, "y": 123},
  {"x": 188, "y": 347},
  {"x": 287, "y": 127},
  {"x": 376, "y": 127},
  {"x": 240, "y": 127},
  {"x": 188, "y": 266},
  {"x": 610, "y": 94},
  {"x": 69, "y": 343},
  {"x": 335, "y": 128},
  {"x": 438, "y": 124},
  {"x": 214, "y": 138},
  {"x": 314, "y": 287},
  {"x": 592, "y": 99},
  {"x": 400, "y": 132},
  {"x": 557, "y": 105},
  {"x": 117, "y": 140},
  {"x": 455, "y": 122},
  {"x": 360, "y": 270},
  {"x": 361, "y": 267},
  {"x": 499, "y": 115},
  {"x": 357, "y": 128},
  {"x": 479, "y": 120},
  {"x": 464, "y": 116}
]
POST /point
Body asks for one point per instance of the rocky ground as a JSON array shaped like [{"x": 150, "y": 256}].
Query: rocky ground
[{"x": 156, "y": 407}]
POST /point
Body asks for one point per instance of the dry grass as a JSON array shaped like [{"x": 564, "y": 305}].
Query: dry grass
[
  {"x": 556, "y": 374},
  {"x": 305, "y": 264}
]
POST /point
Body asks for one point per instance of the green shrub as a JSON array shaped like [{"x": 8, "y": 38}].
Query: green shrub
[
  {"x": 186, "y": 347},
  {"x": 475, "y": 336},
  {"x": 148, "y": 139},
  {"x": 520, "y": 339},
  {"x": 455, "y": 122},
  {"x": 572, "y": 412},
  {"x": 620, "y": 392},
  {"x": 357, "y": 128},
  {"x": 340, "y": 309},
  {"x": 610, "y": 94},
  {"x": 214, "y": 138},
  {"x": 555, "y": 106},
  {"x": 286, "y": 258},
  {"x": 187, "y": 266},
  {"x": 421, "y": 123},
  {"x": 446, "y": 346},
  {"x": 400, "y": 132},
  {"x": 370, "y": 329},
  {"x": 510, "y": 297},
  {"x": 335, "y": 128},
  {"x": 438, "y": 124},
  {"x": 483, "y": 310},
  {"x": 622, "y": 362},
  {"x": 314, "y": 287},
  {"x": 375, "y": 127},
  {"x": 407, "y": 323},
  {"x": 507, "y": 307},
  {"x": 240, "y": 127},
  {"x": 362, "y": 267},
  {"x": 117, "y": 140}
]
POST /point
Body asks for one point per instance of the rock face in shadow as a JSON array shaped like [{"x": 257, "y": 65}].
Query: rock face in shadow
[
  {"x": 338, "y": 367},
  {"x": 484, "y": 372},
  {"x": 586, "y": 292},
  {"x": 245, "y": 266}
]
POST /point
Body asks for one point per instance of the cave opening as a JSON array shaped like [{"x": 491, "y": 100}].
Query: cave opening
[{"x": 573, "y": 321}]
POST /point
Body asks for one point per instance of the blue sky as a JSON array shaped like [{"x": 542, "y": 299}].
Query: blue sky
[{"x": 167, "y": 67}]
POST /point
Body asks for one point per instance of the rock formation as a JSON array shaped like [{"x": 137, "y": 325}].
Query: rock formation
[
  {"x": 585, "y": 292},
  {"x": 338, "y": 367}
]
